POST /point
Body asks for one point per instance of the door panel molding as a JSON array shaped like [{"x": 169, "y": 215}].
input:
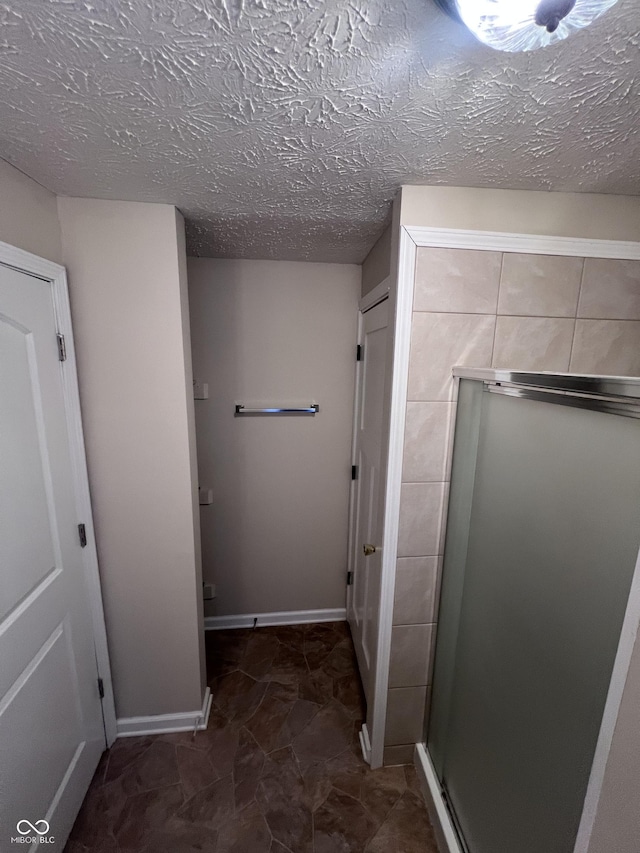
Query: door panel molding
[
  {"x": 55, "y": 274},
  {"x": 31, "y": 668}
]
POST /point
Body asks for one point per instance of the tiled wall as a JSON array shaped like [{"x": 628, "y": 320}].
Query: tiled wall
[{"x": 484, "y": 309}]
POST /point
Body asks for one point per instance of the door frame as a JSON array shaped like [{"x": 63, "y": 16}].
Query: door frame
[
  {"x": 371, "y": 300},
  {"x": 56, "y": 276}
]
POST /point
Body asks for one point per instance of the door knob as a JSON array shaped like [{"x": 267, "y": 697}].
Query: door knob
[{"x": 369, "y": 550}]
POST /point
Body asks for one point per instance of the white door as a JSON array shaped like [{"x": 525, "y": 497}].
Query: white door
[
  {"x": 363, "y": 596},
  {"x": 51, "y": 728}
]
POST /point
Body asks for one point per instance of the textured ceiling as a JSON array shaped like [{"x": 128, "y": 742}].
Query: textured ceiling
[{"x": 282, "y": 128}]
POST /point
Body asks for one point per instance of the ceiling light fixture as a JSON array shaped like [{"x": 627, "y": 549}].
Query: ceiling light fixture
[{"x": 515, "y": 25}]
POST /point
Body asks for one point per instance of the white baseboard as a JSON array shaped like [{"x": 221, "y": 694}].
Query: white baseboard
[
  {"x": 284, "y": 617},
  {"x": 186, "y": 721},
  {"x": 365, "y": 743},
  {"x": 446, "y": 835}
]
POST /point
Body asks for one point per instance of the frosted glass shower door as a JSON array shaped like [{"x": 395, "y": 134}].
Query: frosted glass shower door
[{"x": 532, "y": 615}]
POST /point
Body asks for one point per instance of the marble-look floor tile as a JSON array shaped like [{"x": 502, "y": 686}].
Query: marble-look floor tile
[
  {"x": 126, "y": 752},
  {"x": 381, "y": 789},
  {"x": 195, "y": 769},
  {"x": 278, "y": 769},
  {"x": 103, "y": 845},
  {"x": 157, "y": 767},
  {"x": 247, "y": 768},
  {"x": 237, "y": 695},
  {"x": 102, "y": 807},
  {"x": 407, "y": 820},
  {"x": 276, "y": 847},
  {"x": 342, "y": 824},
  {"x": 143, "y": 813},
  {"x": 282, "y": 798},
  {"x": 326, "y": 736},
  {"x": 211, "y": 805},
  {"x": 179, "y": 836},
  {"x": 246, "y": 832},
  {"x": 268, "y": 720}
]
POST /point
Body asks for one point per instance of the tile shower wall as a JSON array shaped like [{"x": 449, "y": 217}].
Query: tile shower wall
[{"x": 483, "y": 309}]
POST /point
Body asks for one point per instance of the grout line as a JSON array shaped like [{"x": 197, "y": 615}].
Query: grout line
[
  {"x": 575, "y": 316},
  {"x": 496, "y": 315},
  {"x": 500, "y": 284},
  {"x": 584, "y": 264},
  {"x": 610, "y": 319},
  {"x": 523, "y": 317},
  {"x": 457, "y": 313},
  {"x": 542, "y": 316}
]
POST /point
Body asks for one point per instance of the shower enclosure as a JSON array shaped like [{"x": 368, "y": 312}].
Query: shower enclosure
[{"x": 539, "y": 608}]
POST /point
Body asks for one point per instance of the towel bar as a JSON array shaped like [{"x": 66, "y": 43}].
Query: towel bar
[{"x": 278, "y": 410}]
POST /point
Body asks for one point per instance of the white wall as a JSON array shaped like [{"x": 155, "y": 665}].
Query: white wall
[
  {"x": 267, "y": 332},
  {"x": 129, "y": 308},
  {"x": 28, "y": 215},
  {"x": 589, "y": 215}
]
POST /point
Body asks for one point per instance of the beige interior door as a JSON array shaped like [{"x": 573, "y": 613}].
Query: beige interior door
[
  {"x": 363, "y": 595},
  {"x": 51, "y": 727}
]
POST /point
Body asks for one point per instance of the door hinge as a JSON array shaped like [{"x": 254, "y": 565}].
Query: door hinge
[
  {"x": 349, "y": 578},
  {"x": 359, "y": 352},
  {"x": 354, "y": 472},
  {"x": 101, "y": 688},
  {"x": 82, "y": 535},
  {"x": 62, "y": 347}
]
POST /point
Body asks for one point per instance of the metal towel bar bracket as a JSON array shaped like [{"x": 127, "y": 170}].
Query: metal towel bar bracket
[{"x": 278, "y": 410}]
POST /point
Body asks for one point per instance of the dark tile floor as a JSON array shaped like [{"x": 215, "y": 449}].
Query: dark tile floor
[{"x": 278, "y": 770}]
